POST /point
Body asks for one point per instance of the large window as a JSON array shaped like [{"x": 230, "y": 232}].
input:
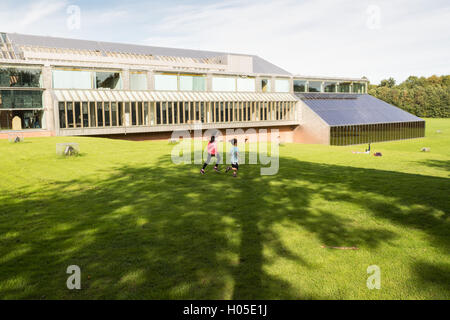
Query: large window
[
  {"x": 246, "y": 84},
  {"x": 138, "y": 81},
  {"x": 20, "y": 77},
  {"x": 299, "y": 86},
  {"x": 166, "y": 82},
  {"x": 315, "y": 86},
  {"x": 344, "y": 87},
  {"x": 330, "y": 87},
  {"x": 281, "y": 85},
  {"x": 369, "y": 133},
  {"x": 223, "y": 84},
  {"x": 20, "y": 99},
  {"x": 192, "y": 83},
  {"x": 108, "y": 80},
  {"x": 359, "y": 88},
  {"x": 68, "y": 79},
  {"x": 79, "y": 79},
  {"x": 19, "y": 104},
  {"x": 29, "y": 119}
]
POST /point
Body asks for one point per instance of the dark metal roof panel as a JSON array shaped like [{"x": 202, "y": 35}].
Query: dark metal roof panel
[{"x": 352, "y": 109}]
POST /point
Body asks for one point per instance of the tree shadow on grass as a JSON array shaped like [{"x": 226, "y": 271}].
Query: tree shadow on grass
[
  {"x": 439, "y": 164},
  {"x": 165, "y": 232},
  {"x": 432, "y": 276}
]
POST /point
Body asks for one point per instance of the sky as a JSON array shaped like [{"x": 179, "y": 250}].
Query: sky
[{"x": 373, "y": 38}]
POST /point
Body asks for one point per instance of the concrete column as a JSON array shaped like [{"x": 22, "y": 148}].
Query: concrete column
[
  {"x": 291, "y": 85},
  {"x": 126, "y": 79},
  {"x": 258, "y": 86},
  {"x": 150, "y": 81},
  {"x": 272, "y": 84},
  {"x": 47, "y": 99},
  {"x": 209, "y": 87}
]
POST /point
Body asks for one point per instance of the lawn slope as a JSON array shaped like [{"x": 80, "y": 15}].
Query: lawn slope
[{"x": 141, "y": 227}]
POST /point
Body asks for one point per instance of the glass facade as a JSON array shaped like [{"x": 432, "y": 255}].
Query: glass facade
[
  {"x": 165, "y": 82},
  {"x": 192, "y": 83},
  {"x": 17, "y": 100},
  {"x": 30, "y": 119},
  {"x": 138, "y": 81},
  {"x": 359, "y": 88},
  {"x": 299, "y": 85},
  {"x": 78, "y": 79},
  {"x": 265, "y": 85},
  {"x": 108, "y": 80},
  {"x": 314, "y": 86},
  {"x": 20, "y": 77},
  {"x": 85, "y": 79},
  {"x": 368, "y": 133},
  {"x": 282, "y": 85},
  {"x": 112, "y": 114},
  {"x": 344, "y": 87},
  {"x": 330, "y": 87},
  {"x": 246, "y": 84},
  {"x": 72, "y": 79},
  {"x": 223, "y": 84},
  {"x": 20, "y": 99}
]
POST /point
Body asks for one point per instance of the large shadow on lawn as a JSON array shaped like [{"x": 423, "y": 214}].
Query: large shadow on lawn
[
  {"x": 440, "y": 164},
  {"x": 164, "y": 232}
]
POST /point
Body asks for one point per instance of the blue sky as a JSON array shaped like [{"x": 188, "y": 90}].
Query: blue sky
[{"x": 377, "y": 38}]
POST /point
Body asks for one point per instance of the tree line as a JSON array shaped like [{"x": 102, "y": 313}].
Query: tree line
[{"x": 423, "y": 97}]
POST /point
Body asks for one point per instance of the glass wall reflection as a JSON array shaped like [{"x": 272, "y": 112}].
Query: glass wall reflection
[{"x": 368, "y": 133}]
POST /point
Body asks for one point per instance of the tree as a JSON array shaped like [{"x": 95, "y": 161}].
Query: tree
[
  {"x": 424, "y": 97},
  {"x": 390, "y": 83}
]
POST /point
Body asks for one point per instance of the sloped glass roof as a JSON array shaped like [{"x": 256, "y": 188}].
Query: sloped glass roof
[
  {"x": 126, "y": 95},
  {"x": 260, "y": 65},
  {"x": 351, "y": 109}
]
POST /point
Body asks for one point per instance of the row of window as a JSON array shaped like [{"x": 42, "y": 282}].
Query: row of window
[
  {"x": 112, "y": 114},
  {"x": 69, "y": 79},
  {"x": 171, "y": 82},
  {"x": 20, "y": 77},
  {"x": 328, "y": 86},
  {"x": 86, "y": 79},
  {"x": 20, "y": 99},
  {"x": 368, "y": 133},
  {"x": 30, "y": 119}
]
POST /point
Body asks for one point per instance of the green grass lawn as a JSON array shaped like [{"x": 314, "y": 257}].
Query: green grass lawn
[{"x": 141, "y": 227}]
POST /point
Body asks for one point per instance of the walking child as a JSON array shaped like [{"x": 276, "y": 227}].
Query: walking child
[
  {"x": 212, "y": 152},
  {"x": 234, "y": 152}
]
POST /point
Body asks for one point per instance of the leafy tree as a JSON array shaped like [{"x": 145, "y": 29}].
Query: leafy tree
[
  {"x": 424, "y": 97},
  {"x": 390, "y": 83}
]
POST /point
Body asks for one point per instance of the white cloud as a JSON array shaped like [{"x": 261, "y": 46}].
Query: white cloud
[
  {"x": 311, "y": 37},
  {"x": 24, "y": 17},
  {"x": 324, "y": 37},
  {"x": 39, "y": 10}
]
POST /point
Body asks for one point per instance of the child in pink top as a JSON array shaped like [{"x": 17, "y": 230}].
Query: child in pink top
[{"x": 212, "y": 152}]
